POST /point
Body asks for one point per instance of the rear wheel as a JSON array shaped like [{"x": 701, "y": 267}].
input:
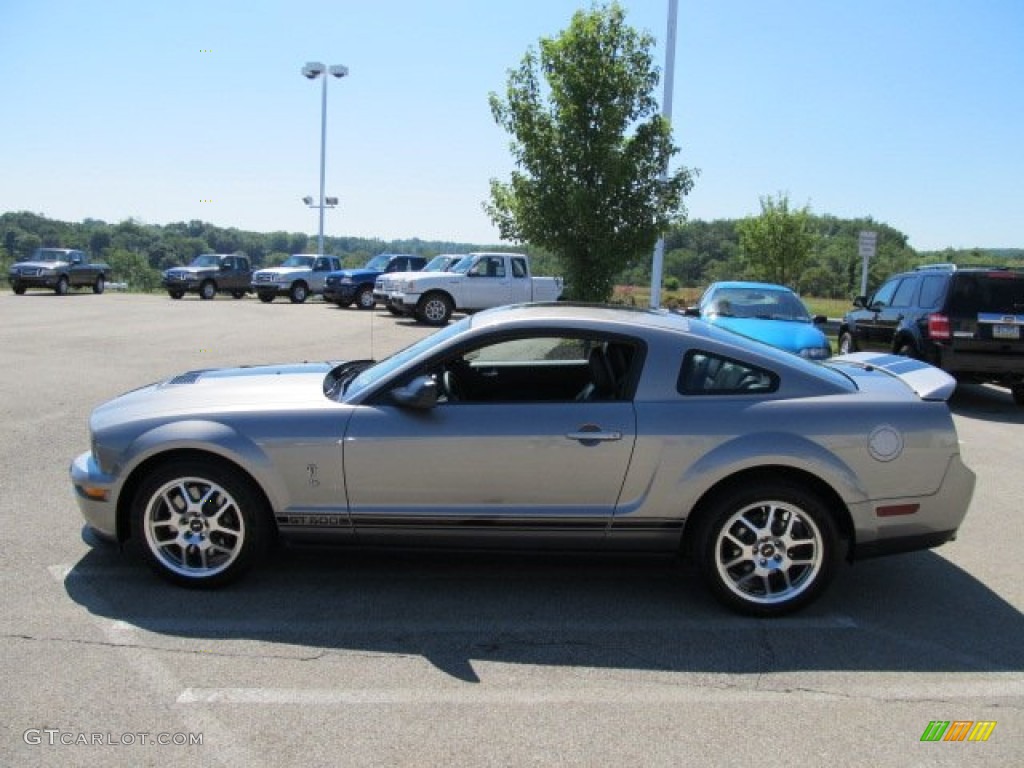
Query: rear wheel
[
  {"x": 767, "y": 549},
  {"x": 207, "y": 290},
  {"x": 344, "y": 304},
  {"x": 200, "y": 524},
  {"x": 846, "y": 345},
  {"x": 100, "y": 285},
  {"x": 298, "y": 293},
  {"x": 175, "y": 294},
  {"x": 238, "y": 294},
  {"x": 906, "y": 348}
]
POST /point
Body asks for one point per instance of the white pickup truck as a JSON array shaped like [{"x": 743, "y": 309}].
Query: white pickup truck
[{"x": 478, "y": 281}]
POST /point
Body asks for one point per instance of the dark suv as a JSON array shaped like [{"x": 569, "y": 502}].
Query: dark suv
[{"x": 968, "y": 321}]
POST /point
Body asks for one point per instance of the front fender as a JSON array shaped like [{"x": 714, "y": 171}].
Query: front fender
[{"x": 210, "y": 437}]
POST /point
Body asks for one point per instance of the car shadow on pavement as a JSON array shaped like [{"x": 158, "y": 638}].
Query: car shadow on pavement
[
  {"x": 986, "y": 402},
  {"x": 915, "y": 613}
]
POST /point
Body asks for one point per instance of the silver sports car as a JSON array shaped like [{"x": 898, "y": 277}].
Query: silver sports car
[{"x": 553, "y": 427}]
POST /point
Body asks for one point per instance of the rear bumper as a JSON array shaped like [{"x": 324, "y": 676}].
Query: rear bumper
[{"x": 995, "y": 366}]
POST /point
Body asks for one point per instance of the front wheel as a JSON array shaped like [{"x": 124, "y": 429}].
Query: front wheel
[
  {"x": 207, "y": 290},
  {"x": 100, "y": 285},
  {"x": 1018, "y": 394},
  {"x": 62, "y": 286},
  {"x": 19, "y": 290},
  {"x": 434, "y": 309},
  {"x": 200, "y": 524},
  {"x": 767, "y": 549},
  {"x": 846, "y": 345},
  {"x": 364, "y": 298},
  {"x": 298, "y": 293},
  {"x": 266, "y": 298},
  {"x": 175, "y": 294}
]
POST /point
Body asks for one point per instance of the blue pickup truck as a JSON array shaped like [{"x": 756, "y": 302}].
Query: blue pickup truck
[{"x": 348, "y": 286}]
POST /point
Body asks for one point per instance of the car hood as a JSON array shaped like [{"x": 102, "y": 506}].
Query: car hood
[
  {"x": 42, "y": 264},
  {"x": 356, "y": 273},
  {"x": 792, "y": 335},
  {"x": 191, "y": 270},
  {"x": 219, "y": 390},
  {"x": 281, "y": 271}
]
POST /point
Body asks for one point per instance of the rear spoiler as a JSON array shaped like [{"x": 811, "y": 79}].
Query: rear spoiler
[{"x": 929, "y": 382}]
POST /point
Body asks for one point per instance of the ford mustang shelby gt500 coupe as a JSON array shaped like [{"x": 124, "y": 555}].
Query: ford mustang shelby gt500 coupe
[{"x": 532, "y": 427}]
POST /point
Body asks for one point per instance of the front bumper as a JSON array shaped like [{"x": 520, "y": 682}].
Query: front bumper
[
  {"x": 340, "y": 292},
  {"x": 96, "y": 494},
  {"x": 33, "y": 281},
  {"x": 173, "y": 284}
]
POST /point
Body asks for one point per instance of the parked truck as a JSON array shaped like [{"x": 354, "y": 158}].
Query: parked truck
[
  {"x": 478, "y": 281},
  {"x": 209, "y": 273},
  {"x": 58, "y": 269},
  {"x": 300, "y": 275}
]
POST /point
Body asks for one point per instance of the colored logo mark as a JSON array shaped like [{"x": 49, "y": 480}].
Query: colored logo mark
[{"x": 958, "y": 730}]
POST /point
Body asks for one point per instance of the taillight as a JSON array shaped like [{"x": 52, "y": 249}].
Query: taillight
[{"x": 938, "y": 327}]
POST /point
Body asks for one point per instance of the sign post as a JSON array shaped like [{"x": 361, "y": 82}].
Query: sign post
[{"x": 866, "y": 246}]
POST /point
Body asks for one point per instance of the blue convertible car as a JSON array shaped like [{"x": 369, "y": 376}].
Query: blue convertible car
[{"x": 767, "y": 312}]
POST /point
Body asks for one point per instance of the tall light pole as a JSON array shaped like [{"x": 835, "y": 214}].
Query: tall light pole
[
  {"x": 666, "y": 112},
  {"x": 312, "y": 71}
]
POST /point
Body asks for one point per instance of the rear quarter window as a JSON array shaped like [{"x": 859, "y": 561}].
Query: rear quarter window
[
  {"x": 933, "y": 289},
  {"x": 707, "y": 373}
]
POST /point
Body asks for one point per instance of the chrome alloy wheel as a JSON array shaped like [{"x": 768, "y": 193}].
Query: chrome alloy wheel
[
  {"x": 194, "y": 527},
  {"x": 769, "y": 552}
]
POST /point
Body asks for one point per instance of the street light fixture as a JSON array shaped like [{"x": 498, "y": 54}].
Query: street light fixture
[{"x": 311, "y": 71}]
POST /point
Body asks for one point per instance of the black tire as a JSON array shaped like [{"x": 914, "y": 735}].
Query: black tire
[
  {"x": 391, "y": 308},
  {"x": 434, "y": 309},
  {"x": 364, "y": 298},
  {"x": 100, "y": 285},
  {"x": 298, "y": 293},
  {"x": 906, "y": 348},
  {"x": 238, "y": 294},
  {"x": 175, "y": 294},
  {"x": 778, "y": 559},
  {"x": 266, "y": 298},
  {"x": 19, "y": 290},
  {"x": 200, "y": 523},
  {"x": 207, "y": 290},
  {"x": 1017, "y": 392},
  {"x": 846, "y": 343},
  {"x": 343, "y": 304},
  {"x": 62, "y": 286}
]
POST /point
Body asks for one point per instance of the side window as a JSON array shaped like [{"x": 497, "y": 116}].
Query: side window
[
  {"x": 933, "y": 288},
  {"x": 518, "y": 267},
  {"x": 904, "y": 296},
  {"x": 883, "y": 296},
  {"x": 706, "y": 373},
  {"x": 228, "y": 263}
]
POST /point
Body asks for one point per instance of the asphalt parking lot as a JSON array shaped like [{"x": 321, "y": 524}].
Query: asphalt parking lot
[{"x": 340, "y": 658}]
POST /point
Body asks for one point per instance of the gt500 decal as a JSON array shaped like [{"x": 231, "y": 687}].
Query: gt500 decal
[{"x": 315, "y": 521}]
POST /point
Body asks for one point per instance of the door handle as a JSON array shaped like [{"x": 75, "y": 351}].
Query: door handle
[{"x": 594, "y": 434}]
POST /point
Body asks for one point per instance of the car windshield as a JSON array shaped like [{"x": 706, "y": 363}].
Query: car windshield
[
  {"x": 439, "y": 264},
  {"x": 760, "y": 303},
  {"x": 298, "y": 261},
  {"x": 205, "y": 260},
  {"x": 379, "y": 262},
  {"x": 463, "y": 265},
  {"x": 391, "y": 364},
  {"x": 47, "y": 254}
]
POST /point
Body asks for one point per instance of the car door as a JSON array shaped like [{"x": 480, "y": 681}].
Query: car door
[
  {"x": 486, "y": 284},
  {"x": 874, "y": 329},
  {"x": 514, "y": 458},
  {"x": 521, "y": 284}
]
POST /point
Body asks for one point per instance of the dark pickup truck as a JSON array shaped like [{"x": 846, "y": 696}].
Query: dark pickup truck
[
  {"x": 209, "y": 273},
  {"x": 58, "y": 269},
  {"x": 356, "y": 285}
]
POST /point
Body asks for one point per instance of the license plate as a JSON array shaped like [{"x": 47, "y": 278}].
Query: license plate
[{"x": 1005, "y": 331}]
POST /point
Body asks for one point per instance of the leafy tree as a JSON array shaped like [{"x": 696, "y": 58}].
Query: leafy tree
[
  {"x": 777, "y": 243},
  {"x": 590, "y": 149}
]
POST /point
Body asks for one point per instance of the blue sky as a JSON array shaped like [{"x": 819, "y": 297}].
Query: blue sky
[{"x": 909, "y": 111}]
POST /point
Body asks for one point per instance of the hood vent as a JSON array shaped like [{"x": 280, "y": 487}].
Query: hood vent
[{"x": 186, "y": 378}]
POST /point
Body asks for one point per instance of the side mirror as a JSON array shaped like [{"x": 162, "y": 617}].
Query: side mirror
[
  {"x": 692, "y": 311},
  {"x": 420, "y": 393},
  {"x": 860, "y": 302},
  {"x": 819, "y": 320}
]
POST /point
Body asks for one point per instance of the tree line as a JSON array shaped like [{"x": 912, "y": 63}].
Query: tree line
[{"x": 696, "y": 252}]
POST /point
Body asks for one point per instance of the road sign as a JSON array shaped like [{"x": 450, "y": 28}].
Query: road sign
[{"x": 866, "y": 243}]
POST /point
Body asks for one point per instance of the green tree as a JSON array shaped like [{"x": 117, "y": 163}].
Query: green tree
[
  {"x": 590, "y": 149},
  {"x": 777, "y": 243}
]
